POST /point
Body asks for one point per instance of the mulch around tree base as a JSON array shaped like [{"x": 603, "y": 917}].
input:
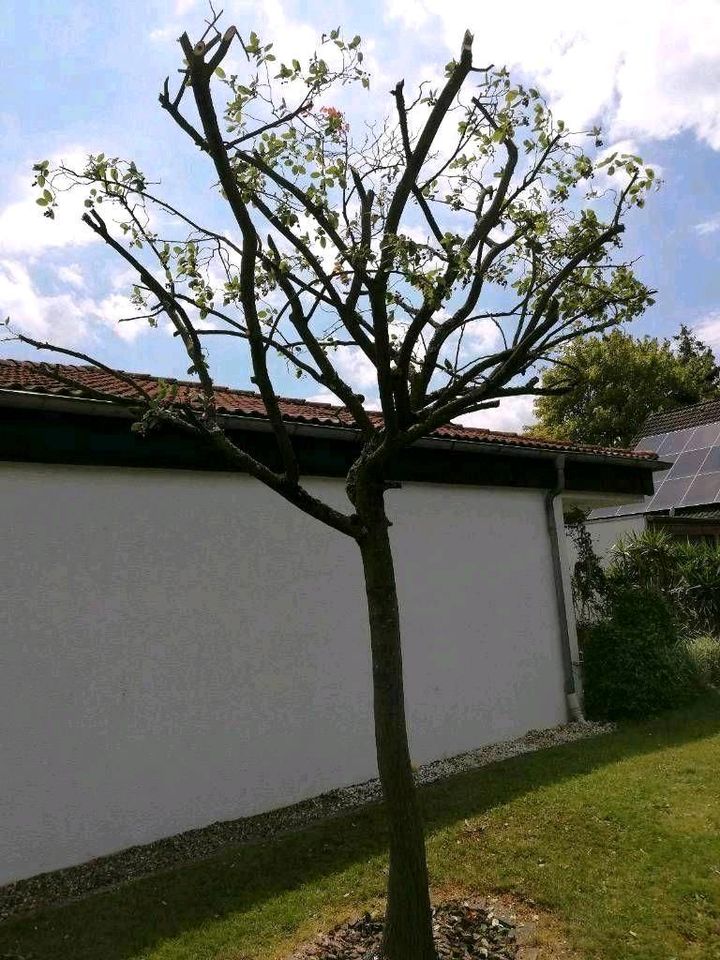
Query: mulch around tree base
[{"x": 463, "y": 929}]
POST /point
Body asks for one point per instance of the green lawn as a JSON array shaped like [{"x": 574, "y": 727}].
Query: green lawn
[{"x": 618, "y": 836}]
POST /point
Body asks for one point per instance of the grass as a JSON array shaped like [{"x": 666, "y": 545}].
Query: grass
[{"x": 618, "y": 836}]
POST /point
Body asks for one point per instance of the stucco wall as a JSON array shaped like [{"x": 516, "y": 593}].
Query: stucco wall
[
  {"x": 606, "y": 532},
  {"x": 179, "y": 648}
]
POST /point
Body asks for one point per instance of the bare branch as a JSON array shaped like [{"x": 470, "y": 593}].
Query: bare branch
[{"x": 200, "y": 77}]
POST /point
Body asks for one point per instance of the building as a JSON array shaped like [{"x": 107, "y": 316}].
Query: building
[
  {"x": 685, "y": 501},
  {"x": 182, "y": 646}
]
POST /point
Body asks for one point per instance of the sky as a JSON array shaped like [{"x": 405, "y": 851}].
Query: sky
[{"x": 82, "y": 79}]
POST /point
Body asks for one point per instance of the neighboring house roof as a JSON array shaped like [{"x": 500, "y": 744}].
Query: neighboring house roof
[
  {"x": 702, "y": 514},
  {"x": 689, "y": 439},
  {"x": 682, "y": 418},
  {"x": 36, "y": 378}
]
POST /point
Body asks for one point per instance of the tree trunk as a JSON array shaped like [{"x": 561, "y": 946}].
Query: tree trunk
[{"x": 408, "y": 922}]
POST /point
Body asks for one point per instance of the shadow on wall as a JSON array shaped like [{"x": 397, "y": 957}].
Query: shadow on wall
[{"x": 128, "y": 922}]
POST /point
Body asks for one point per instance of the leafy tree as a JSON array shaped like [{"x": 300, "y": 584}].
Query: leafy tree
[
  {"x": 392, "y": 242},
  {"x": 608, "y": 385}
]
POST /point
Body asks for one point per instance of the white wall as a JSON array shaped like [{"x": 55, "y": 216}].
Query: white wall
[
  {"x": 179, "y": 648},
  {"x": 605, "y": 533}
]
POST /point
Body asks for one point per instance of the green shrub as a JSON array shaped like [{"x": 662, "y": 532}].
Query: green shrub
[
  {"x": 696, "y": 589},
  {"x": 704, "y": 651},
  {"x": 633, "y": 663},
  {"x": 686, "y": 573},
  {"x": 646, "y": 560}
]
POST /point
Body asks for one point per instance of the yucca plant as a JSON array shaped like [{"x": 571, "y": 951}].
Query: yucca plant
[
  {"x": 687, "y": 573},
  {"x": 647, "y": 560},
  {"x": 697, "y": 584}
]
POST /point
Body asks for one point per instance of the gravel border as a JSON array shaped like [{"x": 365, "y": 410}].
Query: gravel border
[{"x": 71, "y": 883}]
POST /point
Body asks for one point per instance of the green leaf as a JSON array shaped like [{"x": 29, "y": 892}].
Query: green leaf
[
  {"x": 220, "y": 73},
  {"x": 41, "y": 202}
]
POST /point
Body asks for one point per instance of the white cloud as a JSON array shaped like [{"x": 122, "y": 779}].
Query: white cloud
[
  {"x": 61, "y": 318},
  {"x": 23, "y": 228},
  {"x": 163, "y": 34},
  {"x": 708, "y": 226},
  {"x": 651, "y": 70},
  {"x": 355, "y": 367},
  {"x": 513, "y": 414},
  {"x": 113, "y": 310},
  {"x": 72, "y": 275},
  {"x": 65, "y": 319},
  {"x": 708, "y": 329},
  {"x": 481, "y": 337},
  {"x": 326, "y": 397}
]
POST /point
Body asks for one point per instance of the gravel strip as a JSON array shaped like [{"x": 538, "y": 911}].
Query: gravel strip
[{"x": 72, "y": 883}]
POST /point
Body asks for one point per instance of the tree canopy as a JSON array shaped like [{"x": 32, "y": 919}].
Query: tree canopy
[
  {"x": 613, "y": 382},
  {"x": 454, "y": 248}
]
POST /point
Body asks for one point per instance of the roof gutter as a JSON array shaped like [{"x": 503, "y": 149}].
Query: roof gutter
[
  {"x": 563, "y": 593},
  {"x": 108, "y": 408}
]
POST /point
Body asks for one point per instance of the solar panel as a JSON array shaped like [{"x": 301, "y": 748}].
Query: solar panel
[
  {"x": 669, "y": 494},
  {"x": 692, "y": 481},
  {"x": 674, "y": 442},
  {"x": 711, "y": 462},
  {"x": 651, "y": 443},
  {"x": 688, "y": 463},
  {"x": 706, "y": 436},
  {"x": 705, "y": 488}
]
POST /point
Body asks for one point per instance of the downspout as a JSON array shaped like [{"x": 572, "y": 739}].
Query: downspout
[{"x": 562, "y": 592}]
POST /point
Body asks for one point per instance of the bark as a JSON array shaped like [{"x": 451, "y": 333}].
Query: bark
[{"x": 408, "y": 923}]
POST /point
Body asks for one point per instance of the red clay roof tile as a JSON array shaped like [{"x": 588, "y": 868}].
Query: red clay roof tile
[{"x": 31, "y": 377}]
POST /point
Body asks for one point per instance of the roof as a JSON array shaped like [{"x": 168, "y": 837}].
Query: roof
[
  {"x": 688, "y": 439},
  {"x": 683, "y": 417},
  {"x": 692, "y": 513},
  {"x": 37, "y": 378}
]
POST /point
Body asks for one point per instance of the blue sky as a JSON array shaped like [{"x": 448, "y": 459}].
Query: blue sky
[{"x": 86, "y": 79}]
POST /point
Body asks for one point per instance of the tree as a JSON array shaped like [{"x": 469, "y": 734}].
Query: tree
[
  {"x": 608, "y": 385},
  {"x": 401, "y": 245}
]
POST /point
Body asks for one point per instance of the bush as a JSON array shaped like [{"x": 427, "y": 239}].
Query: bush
[
  {"x": 686, "y": 572},
  {"x": 634, "y": 665},
  {"x": 704, "y": 651}
]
